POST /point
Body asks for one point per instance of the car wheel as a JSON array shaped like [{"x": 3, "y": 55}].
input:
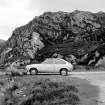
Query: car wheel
[
  {"x": 64, "y": 72},
  {"x": 33, "y": 71}
]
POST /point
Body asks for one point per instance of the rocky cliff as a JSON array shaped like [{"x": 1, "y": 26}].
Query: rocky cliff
[{"x": 77, "y": 33}]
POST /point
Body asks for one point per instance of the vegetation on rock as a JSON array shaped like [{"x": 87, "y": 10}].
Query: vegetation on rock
[{"x": 77, "y": 33}]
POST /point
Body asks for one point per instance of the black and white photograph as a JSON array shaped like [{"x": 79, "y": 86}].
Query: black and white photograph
[{"x": 52, "y": 52}]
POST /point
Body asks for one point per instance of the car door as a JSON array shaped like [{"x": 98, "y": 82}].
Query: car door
[
  {"x": 47, "y": 66},
  {"x": 58, "y": 64}
]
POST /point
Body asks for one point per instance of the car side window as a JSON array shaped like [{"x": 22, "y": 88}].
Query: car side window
[
  {"x": 48, "y": 61},
  {"x": 59, "y": 62}
]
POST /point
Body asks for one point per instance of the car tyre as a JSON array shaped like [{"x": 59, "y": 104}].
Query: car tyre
[
  {"x": 64, "y": 72},
  {"x": 33, "y": 71}
]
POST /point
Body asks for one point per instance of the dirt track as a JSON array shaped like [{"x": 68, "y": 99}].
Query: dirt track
[{"x": 96, "y": 79}]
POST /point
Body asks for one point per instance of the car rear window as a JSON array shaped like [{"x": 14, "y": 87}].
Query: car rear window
[
  {"x": 48, "y": 61},
  {"x": 59, "y": 61}
]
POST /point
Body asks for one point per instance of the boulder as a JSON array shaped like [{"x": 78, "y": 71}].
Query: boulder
[
  {"x": 101, "y": 62},
  {"x": 71, "y": 58}
]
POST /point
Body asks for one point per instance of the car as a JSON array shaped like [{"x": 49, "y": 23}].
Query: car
[{"x": 50, "y": 65}]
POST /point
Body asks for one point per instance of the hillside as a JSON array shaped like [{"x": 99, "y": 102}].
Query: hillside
[
  {"x": 79, "y": 33},
  {"x": 2, "y": 42}
]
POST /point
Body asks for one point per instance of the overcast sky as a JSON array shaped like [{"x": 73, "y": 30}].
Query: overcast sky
[{"x": 14, "y": 13}]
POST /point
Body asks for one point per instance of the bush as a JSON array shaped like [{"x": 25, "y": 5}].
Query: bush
[{"x": 14, "y": 71}]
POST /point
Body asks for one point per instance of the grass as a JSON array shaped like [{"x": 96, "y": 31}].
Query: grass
[{"x": 38, "y": 90}]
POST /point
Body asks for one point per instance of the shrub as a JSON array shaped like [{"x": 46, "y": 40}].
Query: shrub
[{"x": 14, "y": 71}]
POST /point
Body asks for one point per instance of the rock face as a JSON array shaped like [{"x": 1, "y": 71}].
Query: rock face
[
  {"x": 36, "y": 44},
  {"x": 77, "y": 33}
]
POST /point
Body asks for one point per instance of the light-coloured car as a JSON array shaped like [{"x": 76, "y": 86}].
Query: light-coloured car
[{"x": 50, "y": 65}]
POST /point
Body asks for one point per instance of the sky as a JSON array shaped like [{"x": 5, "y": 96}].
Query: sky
[{"x": 14, "y": 13}]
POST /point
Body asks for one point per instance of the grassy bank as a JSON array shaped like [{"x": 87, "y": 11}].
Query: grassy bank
[
  {"x": 46, "y": 90},
  {"x": 38, "y": 90}
]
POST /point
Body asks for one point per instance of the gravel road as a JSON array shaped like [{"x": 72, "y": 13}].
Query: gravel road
[{"x": 96, "y": 79}]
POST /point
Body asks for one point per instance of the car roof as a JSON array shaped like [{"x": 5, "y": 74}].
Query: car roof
[{"x": 55, "y": 59}]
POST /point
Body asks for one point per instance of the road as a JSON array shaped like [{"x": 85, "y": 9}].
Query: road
[{"x": 96, "y": 79}]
